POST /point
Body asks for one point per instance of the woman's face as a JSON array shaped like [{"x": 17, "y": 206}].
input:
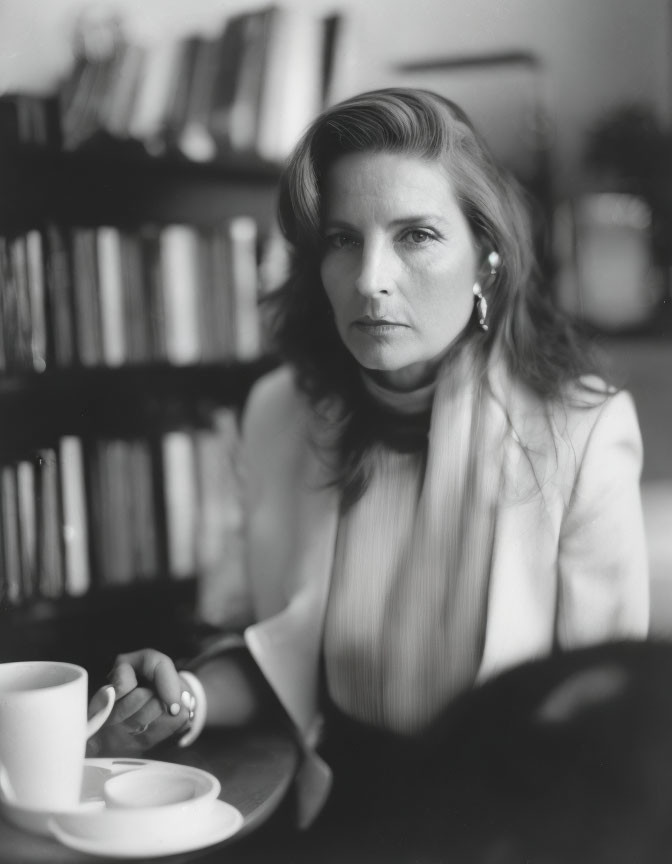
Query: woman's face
[{"x": 399, "y": 264}]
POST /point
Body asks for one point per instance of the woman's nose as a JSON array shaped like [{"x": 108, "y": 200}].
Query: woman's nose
[{"x": 375, "y": 271}]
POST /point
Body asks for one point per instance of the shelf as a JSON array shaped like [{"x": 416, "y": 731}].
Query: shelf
[
  {"x": 123, "y": 187},
  {"x": 115, "y": 184},
  {"x": 91, "y": 630},
  {"x": 118, "y": 401}
]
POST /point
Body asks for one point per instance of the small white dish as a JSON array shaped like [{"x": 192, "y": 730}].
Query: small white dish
[
  {"x": 97, "y": 834},
  {"x": 161, "y": 786}
]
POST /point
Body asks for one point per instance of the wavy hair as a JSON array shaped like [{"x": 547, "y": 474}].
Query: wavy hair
[{"x": 536, "y": 343}]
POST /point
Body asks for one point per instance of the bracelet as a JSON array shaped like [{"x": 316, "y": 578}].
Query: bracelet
[{"x": 198, "y": 708}]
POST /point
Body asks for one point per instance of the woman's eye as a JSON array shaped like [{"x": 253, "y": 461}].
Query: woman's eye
[
  {"x": 418, "y": 236},
  {"x": 340, "y": 241}
]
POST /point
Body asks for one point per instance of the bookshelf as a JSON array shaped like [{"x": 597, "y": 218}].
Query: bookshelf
[
  {"x": 123, "y": 185},
  {"x": 121, "y": 241},
  {"x": 119, "y": 404}
]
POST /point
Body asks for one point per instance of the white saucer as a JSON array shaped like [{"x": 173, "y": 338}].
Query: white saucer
[
  {"x": 36, "y": 821},
  {"x": 223, "y": 822},
  {"x": 96, "y": 773}
]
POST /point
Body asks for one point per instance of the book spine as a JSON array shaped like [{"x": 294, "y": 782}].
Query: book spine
[
  {"x": 36, "y": 284},
  {"x": 50, "y": 575},
  {"x": 245, "y": 287},
  {"x": 11, "y": 536},
  {"x": 181, "y": 499},
  {"x": 181, "y": 293},
  {"x": 75, "y": 521},
  {"x": 87, "y": 296},
  {"x": 61, "y": 332},
  {"x": 110, "y": 282},
  {"x": 27, "y": 518}
]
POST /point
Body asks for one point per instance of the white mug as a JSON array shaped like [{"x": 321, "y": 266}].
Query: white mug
[{"x": 43, "y": 732}]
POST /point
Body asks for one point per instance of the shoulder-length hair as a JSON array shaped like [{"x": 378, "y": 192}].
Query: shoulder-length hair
[{"x": 533, "y": 340}]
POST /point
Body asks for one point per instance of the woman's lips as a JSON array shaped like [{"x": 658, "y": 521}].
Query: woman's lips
[{"x": 376, "y": 325}]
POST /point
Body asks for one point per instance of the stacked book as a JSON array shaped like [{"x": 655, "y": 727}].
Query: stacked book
[
  {"x": 116, "y": 511},
  {"x": 29, "y": 119},
  {"x": 249, "y": 89},
  {"x": 103, "y": 296}
]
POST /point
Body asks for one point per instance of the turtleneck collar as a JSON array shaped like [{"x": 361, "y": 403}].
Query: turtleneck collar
[{"x": 406, "y": 402}]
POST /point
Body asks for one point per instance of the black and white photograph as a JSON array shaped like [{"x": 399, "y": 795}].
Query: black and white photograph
[{"x": 336, "y": 431}]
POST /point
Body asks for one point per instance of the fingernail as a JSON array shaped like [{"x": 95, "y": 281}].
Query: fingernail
[
  {"x": 174, "y": 708},
  {"x": 186, "y": 699}
]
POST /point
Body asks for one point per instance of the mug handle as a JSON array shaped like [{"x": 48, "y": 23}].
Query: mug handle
[{"x": 94, "y": 722}]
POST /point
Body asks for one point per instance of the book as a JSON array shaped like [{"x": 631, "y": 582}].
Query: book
[
  {"x": 243, "y": 111},
  {"x": 125, "y": 81},
  {"x": 77, "y": 572},
  {"x": 110, "y": 272},
  {"x": 110, "y": 512},
  {"x": 50, "y": 574},
  {"x": 3, "y": 558},
  {"x": 207, "y": 131},
  {"x": 4, "y": 306},
  {"x": 27, "y": 118},
  {"x": 149, "y": 239},
  {"x": 135, "y": 301},
  {"x": 244, "y": 287},
  {"x": 59, "y": 296},
  {"x": 83, "y": 101},
  {"x": 14, "y": 338},
  {"x": 214, "y": 309},
  {"x": 181, "y": 502},
  {"x": 151, "y": 110},
  {"x": 35, "y": 261},
  {"x": 190, "y": 129},
  {"x": 142, "y": 511},
  {"x": 87, "y": 296},
  {"x": 292, "y": 87},
  {"x": 182, "y": 101},
  {"x": 9, "y": 506},
  {"x": 27, "y": 519},
  {"x": 181, "y": 292},
  {"x": 23, "y": 337}
]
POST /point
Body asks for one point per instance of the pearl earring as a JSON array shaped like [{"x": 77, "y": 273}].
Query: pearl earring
[
  {"x": 481, "y": 305},
  {"x": 494, "y": 261}
]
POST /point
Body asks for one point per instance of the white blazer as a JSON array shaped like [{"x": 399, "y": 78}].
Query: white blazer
[{"x": 569, "y": 564}]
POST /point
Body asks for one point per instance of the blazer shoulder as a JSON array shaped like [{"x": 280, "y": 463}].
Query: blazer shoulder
[
  {"x": 571, "y": 417},
  {"x": 557, "y": 435},
  {"x": 272, "y": 397},
  {"x": 591, "y": 404}
]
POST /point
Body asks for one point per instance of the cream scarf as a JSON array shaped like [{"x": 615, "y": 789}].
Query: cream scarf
[{"x": 428, "y": 607}]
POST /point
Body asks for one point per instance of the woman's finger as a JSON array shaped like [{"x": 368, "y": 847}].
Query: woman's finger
[
  {"x": 130, "y": 704},
  {"x": 168, "y": 684},
  {"x": 151, "y": 724},
  {"x": 148, "y": 666},
  {"x": 122, "y": 676}
]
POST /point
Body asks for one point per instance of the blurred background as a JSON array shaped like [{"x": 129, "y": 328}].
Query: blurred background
[{"x": 574, "y": 97}]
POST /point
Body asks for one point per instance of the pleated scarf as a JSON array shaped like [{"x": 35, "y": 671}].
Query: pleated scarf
[{"x": 406, "y": 618}]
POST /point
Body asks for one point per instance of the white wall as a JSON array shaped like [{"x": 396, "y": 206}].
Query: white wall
[{"x": 596, "y": 53}]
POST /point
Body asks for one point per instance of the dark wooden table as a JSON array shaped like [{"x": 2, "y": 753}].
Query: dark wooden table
[
  {"x": 564, "y": 761},
  {"x": 255, "y": 769}
]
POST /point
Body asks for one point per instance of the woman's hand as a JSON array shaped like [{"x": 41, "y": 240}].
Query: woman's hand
[{"x": 149, "y": 708}]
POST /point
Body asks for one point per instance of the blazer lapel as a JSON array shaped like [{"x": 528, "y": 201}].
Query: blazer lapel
[{"x": 287, "y": 645}]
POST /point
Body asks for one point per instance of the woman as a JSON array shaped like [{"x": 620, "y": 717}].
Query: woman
[{"x": 436, "y": 488}]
